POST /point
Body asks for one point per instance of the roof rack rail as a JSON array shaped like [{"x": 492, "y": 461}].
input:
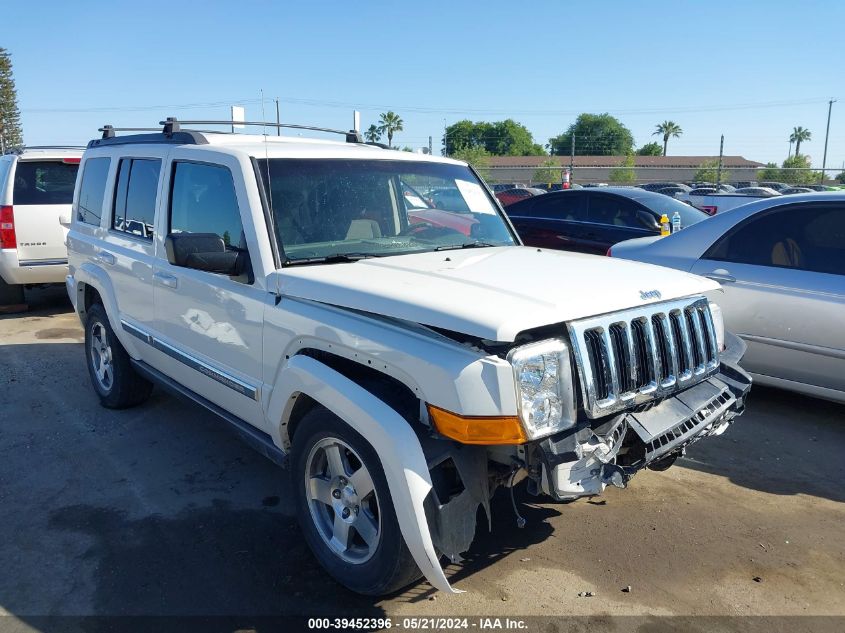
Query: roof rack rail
[
  {"x": 169, "y": 133},
  {"x": 352, "y": 136},
  {"x": 22, "y": 148}
]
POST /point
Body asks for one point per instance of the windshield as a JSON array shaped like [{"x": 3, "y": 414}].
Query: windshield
[
  {"x": 668, "y": 205},
  {"x": 348, "y": 209}
]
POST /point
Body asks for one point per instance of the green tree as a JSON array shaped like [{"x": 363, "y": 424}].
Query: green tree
[
  {"x": 499, "y": 138},
  {"x": 595, "y": 135},
  {"x": 709, "y": 170},
  {"x": 478, "y": 157},
  {"x": 841, "y": 177},
  {"x": 796, "y": 170},
  {"x": 10, "y": 117},
  {"x": 667, "y": 129},
  {"x": 769, "y": 172},
  {"x": 798, "y": 136},
  {"x": 624, "y": 174},
  {"x": 389, "y": 124},
  {"x": 373, "y": 134},
  {"x": 650, "y": 149},
  {"x": 549, "y": 172}
]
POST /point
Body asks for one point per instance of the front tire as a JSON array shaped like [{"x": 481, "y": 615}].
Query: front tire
[
  {"x": 345, "y": 509},
  {"x": 116, "y": 382}
]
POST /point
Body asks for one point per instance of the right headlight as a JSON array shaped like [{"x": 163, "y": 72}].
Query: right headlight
[{"x": 545, "y": 396}]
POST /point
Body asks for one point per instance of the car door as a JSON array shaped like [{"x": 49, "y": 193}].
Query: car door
[
  {"x": 549, "y": 221},
  {"x": 611, "y": 219},
  {"x": 783, "y": 274},
  {"x": 210, "y": 324},
  {"x": 127, "y": 251}
]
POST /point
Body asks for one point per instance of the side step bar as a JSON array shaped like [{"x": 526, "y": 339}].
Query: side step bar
[{"x": 256, "y": 439}]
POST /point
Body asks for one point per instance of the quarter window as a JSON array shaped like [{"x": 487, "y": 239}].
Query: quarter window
[
  {"x": 92, "y": 191},
  {"x": 803, "y": 238},
  {"x": 135, "y": 196}
]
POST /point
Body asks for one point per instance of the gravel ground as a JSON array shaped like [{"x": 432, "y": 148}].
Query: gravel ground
[{"x": 160, "y": 510}]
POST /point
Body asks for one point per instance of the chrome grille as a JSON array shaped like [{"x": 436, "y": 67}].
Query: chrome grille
[{"x": 631, "y": 357}]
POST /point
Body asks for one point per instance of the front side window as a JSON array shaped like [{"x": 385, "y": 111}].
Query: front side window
[
  {"x": 44, "y": 182},
  {"x": 92, "y": 191},
  {"x": 620, "y": 212},
  {"x": 203, "y": 200},
  {"x": 135, "y": 196},
  {"x": 325, "y": 208},
  {"x": 811, "y": 239}
]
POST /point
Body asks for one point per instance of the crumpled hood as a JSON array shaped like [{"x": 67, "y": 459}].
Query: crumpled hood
[{"x": 491, "y": 293}]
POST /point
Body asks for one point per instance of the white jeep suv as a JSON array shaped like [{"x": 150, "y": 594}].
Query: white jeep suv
[
  {"x": 36, "y": 189},
  {"x": 370, "y": 319}
]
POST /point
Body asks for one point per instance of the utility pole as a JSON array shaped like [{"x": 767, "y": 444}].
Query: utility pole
[
  {"x": 571, "y": 158},
  {"x": 445, "y": 140},
  {"x": 826, "y": 134},
  {"x": 278, "y": 120},
  {"x": 430, "y": 149},
  {"x": 719, "y": 169}
]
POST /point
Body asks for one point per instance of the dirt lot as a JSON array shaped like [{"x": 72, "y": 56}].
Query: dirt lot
[{"x": 159, "y": 510}]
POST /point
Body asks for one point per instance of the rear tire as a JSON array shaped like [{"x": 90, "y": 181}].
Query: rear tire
[
  {"x": 116, "y": 382},
  {"x": 335, "y": 499},
  {"x": 11, "y": 294}
]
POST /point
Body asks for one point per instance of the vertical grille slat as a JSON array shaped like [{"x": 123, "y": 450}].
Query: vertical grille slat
[{"x": 640, "y": 354}]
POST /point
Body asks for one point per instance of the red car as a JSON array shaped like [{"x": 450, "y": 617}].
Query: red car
[{"x": 509, "y": 196}]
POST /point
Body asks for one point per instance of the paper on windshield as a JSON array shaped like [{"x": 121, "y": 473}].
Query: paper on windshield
[{"x": 474, "y": 196}]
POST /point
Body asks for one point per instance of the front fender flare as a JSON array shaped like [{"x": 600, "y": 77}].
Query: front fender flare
[{"x": 389, "y": 434}]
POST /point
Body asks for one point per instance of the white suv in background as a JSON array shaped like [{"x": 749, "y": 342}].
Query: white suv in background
[
  {"x": 405, "y": 356},
  {"x": 36, "y": 191}
]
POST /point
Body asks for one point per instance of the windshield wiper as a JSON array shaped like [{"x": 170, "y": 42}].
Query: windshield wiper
[
  {"x": 334, "y": 258},
  {"x": 476, "y": 244}
]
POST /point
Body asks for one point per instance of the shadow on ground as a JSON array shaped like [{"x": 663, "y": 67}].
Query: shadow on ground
[{"x": 784, "y": 444}]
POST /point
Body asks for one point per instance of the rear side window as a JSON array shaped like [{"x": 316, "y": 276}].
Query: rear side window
[
  {"x": 203, "y": 200},
  {"x": 44, "y": 182},
  {"x": 563, "y": 206},
  {"x": 92, "y": 191},
  {"x": 135, "y": 196}
]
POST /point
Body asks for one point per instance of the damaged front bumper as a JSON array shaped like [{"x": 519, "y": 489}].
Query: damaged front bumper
[{"x": 583, "y": 462}]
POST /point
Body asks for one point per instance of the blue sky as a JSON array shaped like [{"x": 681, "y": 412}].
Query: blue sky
[{"x": 751, "y": 71}]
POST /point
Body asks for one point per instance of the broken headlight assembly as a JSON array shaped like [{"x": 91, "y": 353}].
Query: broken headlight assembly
[{"x": 545, "y": 394}]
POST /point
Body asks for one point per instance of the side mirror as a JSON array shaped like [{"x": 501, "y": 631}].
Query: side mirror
[{"x": 203, "y": 251}]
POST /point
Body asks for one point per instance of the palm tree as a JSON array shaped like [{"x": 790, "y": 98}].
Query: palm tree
[
  {"x": 390, "y": 124},
  {"x": 798, "y": 136},
  {"x": 373, "y": 133},
  {"x": 667, "y": 129}
]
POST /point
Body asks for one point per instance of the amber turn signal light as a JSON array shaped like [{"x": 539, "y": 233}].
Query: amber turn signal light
[{"x": 477, "y": 430}]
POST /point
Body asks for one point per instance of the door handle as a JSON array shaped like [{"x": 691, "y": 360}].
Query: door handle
[
  {"x": 105, "y": 258},
  {"x": 166, "y": 279},
  {"x": 721, "y": 276}
]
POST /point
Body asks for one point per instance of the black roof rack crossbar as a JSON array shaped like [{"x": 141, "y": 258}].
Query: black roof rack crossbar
[
  {"x": 109, "y": 130},
  {"x": 352, "y": 136}
]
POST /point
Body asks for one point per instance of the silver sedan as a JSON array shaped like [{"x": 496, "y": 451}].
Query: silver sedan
[{"x": 781, "y": 264}]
